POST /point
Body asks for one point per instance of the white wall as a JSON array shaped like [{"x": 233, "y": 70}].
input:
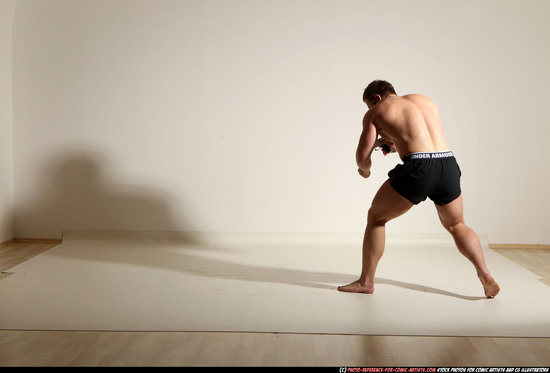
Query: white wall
[
  {"x": 244, "y": 115},
  {"x": 7, "y": 8}
]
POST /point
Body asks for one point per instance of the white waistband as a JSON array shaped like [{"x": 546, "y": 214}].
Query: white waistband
[{"x": 422, "y": 155}]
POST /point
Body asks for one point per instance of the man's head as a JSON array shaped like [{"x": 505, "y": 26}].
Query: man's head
[{"x": 376, "y": 91}]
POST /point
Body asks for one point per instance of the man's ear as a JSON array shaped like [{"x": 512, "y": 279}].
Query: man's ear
[{"x": 377, "y": 98}]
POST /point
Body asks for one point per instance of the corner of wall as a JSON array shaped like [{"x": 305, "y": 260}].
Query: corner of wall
[{"x": 7, "y": 12}]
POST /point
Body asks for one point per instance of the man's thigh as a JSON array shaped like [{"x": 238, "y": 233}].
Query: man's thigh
[
  {"x": 388, "y": 204},
  {"x": 451, "y": 213}
]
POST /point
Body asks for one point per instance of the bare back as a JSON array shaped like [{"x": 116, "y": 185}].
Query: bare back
[{"x": 411, "y": 122}]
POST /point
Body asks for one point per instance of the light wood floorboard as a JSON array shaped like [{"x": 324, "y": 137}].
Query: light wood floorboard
[{"x": 138, "y": 349}]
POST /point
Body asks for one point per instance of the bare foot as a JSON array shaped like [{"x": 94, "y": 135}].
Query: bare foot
[
  {"x": 490, "y": 286},
  {"x": 357, "y": 287}
]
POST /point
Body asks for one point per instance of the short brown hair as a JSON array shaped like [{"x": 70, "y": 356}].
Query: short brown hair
[{"x": 378, "y": 87}]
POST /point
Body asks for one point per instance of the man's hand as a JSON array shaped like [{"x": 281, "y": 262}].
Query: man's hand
[
  {"x": 364, "y": 173},
  {"x": 386, "y": 146}
]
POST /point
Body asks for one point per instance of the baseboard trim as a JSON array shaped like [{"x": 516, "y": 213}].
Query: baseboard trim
[
  {"x": 37, "y": 240},
  {"x": 6, "y": 243},
  {"x": 503, "y": 246},
  {"x": 494, "y": 246}
]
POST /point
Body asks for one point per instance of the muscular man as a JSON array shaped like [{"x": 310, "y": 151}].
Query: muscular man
[{"x": 410, "y": 125}]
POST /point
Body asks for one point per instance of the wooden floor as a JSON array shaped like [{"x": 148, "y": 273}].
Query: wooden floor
[{"x": 105, "y": 349}]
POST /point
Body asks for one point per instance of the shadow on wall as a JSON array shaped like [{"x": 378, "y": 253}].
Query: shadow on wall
[{"x": 80, "y": 191}]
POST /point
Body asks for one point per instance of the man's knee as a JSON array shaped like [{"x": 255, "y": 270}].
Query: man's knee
[
  {"x": 375, "y": 218},
  {"x": 454, "y": 227}
]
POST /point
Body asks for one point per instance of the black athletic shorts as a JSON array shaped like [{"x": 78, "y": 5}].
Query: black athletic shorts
[{"x": 434, "y": 175}]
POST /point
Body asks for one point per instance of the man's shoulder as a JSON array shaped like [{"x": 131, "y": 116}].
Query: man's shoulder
[{"x": 415, "y": 97}]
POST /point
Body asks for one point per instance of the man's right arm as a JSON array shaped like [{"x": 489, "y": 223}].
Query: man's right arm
[{"x": 366, "y": 145}]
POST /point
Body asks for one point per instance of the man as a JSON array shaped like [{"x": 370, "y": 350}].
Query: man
[{"x": 410, "y": 125}]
